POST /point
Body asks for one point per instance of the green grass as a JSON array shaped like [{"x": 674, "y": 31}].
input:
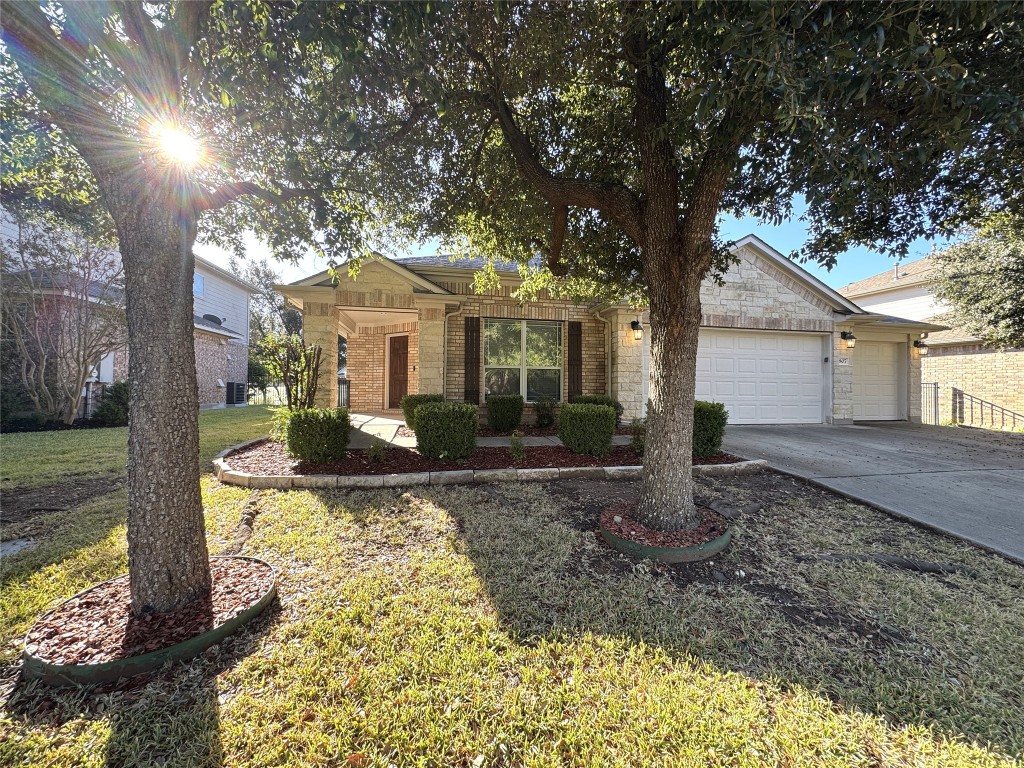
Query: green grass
[
  {"x": 476, "y": 626},
  {"x": 33, "y": 459}
]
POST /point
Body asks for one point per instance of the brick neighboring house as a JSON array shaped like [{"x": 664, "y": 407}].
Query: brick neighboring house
[
  {"x": 772, "y": 344},
  {"x": 956, "y": 360},
  {"x": 221, "y": 323}
]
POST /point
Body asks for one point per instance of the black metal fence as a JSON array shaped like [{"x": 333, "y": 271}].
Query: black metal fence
[
  {"x": 344, "y": 389},
  {"x": 930, "y": 403},
  {"x": 968, "y": 409}
]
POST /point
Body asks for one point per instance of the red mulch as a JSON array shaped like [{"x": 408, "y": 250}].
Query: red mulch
[
  {"x": 552, "y": 431},
  {"x": 270, "y": 458},
  {"x": 711, "y": 526},
  {"x": 98, "y": 626}
]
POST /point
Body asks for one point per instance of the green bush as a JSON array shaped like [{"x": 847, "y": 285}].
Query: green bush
[
  {"x": 504, "y": 412},
  {"x": 545, "y": 408},
  {"x": 113, "y": 409},
  {"x": 446, "y": 430},
  {"x": 377, "y": 451},
  {"x": 601, "y": 400},
  {"x": 639, "y": 430},
  {"x": 410, "y": 403},
  {"x": 516, "y": 449},
  {"x": 708, "y": 427},
  {"x": 587, "y": 428},
  {"x": 317, "y": 434}
]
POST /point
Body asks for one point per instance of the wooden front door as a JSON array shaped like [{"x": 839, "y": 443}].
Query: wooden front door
[{"x": 398, "y": 370}]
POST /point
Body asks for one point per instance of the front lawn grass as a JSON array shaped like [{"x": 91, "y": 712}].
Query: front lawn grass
[
  {"x": 486, "y": 625},
  {"x": 34, "y": 459}
]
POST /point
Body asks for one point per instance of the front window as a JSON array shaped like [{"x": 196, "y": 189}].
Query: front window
[{"x": 524, "y": 358}]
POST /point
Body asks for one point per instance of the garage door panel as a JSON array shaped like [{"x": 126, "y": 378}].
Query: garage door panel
[
  {"x": 876, "y": 381},
  {"x": 766, "y": 377}
]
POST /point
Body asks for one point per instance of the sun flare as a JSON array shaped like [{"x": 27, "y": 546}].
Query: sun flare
[{"x": 178, "y": 146}]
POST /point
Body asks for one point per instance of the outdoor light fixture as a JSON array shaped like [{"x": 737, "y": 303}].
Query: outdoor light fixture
[
  {"x": 638, "y": 329},
  {"x": 921, "y": 346},
  {"x": 849, "y": 338}
]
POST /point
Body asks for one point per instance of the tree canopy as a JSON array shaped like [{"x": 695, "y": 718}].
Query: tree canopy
[{"x": 982, "y": 280}]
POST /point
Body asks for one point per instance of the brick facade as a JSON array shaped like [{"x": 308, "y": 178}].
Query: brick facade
[
  {"x": 367, "y": 365},
  {"x": 988, "y": 374},
  {"x": 217, "y": 358}
]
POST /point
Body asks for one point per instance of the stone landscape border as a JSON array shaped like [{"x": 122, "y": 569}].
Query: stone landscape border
[{"x": 230, "y": 476}]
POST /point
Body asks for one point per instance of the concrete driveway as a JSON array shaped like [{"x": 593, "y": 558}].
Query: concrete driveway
[{"x": 967, "y": 482}]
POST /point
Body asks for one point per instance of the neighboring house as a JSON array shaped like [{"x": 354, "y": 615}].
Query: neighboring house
[
  {"x": 221, "y": 323},
  {"x": 956, "y": 360},
  {"x": 771, "y": 345}
]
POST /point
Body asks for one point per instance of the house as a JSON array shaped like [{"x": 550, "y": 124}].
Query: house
[
  {"x": 220, "y": 322},
  {"x": 220, "y": 319},
  {"x": 970, "y": 382},
  {"x": 773, "y": 342}
]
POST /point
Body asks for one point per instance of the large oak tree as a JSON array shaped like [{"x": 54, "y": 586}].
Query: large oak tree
[
  {"x": 173, "y": 116},
  {"x": 612, "y": 136}
]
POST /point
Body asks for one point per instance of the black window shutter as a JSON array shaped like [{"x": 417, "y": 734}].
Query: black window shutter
[
  {"x": 574, "y": 368},
  {"x": 472, "y": 360}
]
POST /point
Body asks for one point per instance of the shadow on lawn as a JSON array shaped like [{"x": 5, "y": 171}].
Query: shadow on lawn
[
  {"x": 170, "y": 718},
  {"x": 738, "y": 612}
]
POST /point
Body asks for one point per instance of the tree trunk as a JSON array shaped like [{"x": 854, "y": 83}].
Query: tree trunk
[
  {"x": 168, "y": 561},
  {"x": 666, "y": 500}
]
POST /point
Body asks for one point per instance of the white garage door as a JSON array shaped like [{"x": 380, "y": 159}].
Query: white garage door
[
  {"x": 763, "y": 377},
  {"x": 876, "y": 385}
]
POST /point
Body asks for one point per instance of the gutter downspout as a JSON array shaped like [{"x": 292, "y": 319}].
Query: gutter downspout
[
  {"x": 607, "y": 352},
  {"x": 444, "y": 350}
]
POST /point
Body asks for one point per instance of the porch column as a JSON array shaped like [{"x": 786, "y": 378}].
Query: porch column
[
  {"x": 913, "y": 380},
  {"x": 627, "y": 385},
  {"x": 320, "y": 327},
  {"x": 431, "y": 351}
]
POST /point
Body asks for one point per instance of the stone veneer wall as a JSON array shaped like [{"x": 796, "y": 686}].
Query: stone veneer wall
[
  {"x": 503, "y": 306},
  {"x": 993, "y": 375},
  {"x": 366, "y": 363}
]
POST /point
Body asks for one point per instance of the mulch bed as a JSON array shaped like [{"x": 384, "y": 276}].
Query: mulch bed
[
  {"x": 98, "y": 626},
  {"x": 485, "y": 431},
  {"x": 270, "y": 458},
  {"x": 618, "y": 519}
]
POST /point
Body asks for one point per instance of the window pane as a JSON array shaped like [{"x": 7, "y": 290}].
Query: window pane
[
  {"x": 501, "y": 381},
  {"x": 503, "y": 343},
  {"x": 544, "y": 345},
  {"x": 540, "y": 383}
]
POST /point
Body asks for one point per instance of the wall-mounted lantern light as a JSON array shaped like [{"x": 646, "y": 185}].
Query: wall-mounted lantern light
[
  {"x": 921, "y": 346},
  {"x": 638, "y": 329},
  {"x": 849, "y": 338}
]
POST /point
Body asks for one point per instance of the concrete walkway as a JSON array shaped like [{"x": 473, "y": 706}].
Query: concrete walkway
[
  {"x": 367, "y": 426},
  {"x": 967, "y": 482}
]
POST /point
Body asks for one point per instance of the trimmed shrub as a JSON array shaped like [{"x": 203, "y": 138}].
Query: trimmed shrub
[
  {"x": 587, "y": 428},
  {"x": 545, "y": 408},
  {"x": 708, "y": 427},
  {"x": 601, "y": 400},
  {"x": 639, "y": 431},
  {"x": 318, "y": 434},
  {"x": 446, "y": 430},
  {"x": 504, "y": 412},
  {"x": 410, "y": 403},
  {"x": 113, "y": 410}
]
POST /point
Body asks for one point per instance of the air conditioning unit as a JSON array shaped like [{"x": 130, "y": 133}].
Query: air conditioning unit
[{"x": 235, "y": 393}]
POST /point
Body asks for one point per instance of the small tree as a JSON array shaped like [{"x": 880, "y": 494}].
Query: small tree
[
  {"x": 62, "y": 303},
  {"x": 982, "y": 280},
  {"x": 296, "y": 366}
]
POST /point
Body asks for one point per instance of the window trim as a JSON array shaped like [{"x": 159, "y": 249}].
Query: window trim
[{"x": 524, "y": 369}]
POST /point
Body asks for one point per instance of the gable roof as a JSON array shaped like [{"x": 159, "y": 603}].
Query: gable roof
[
  {"x": 830, "y": 295},
  {"x": 454, "y": 261},
  {"x": 911, "y": 273},
  {"x": 324, "y": 277}
]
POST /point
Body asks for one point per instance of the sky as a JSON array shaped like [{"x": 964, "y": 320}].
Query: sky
[{"x": 854, "y": 265}]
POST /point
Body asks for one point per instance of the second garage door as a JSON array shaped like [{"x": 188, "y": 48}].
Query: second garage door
[
  {"x": 876, "y": 384},
  {"x": 763, "y": 377}
]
